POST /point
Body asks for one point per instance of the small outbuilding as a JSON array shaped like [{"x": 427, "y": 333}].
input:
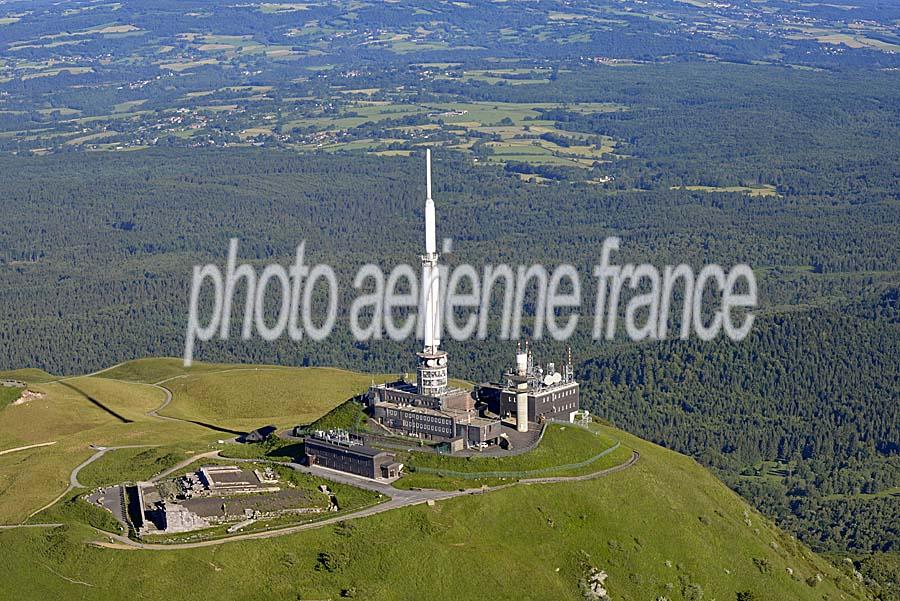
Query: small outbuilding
[{"x": 258, "y": 435}]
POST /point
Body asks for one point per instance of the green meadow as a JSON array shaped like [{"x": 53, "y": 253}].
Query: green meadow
[{"x": 663, "y": 527}]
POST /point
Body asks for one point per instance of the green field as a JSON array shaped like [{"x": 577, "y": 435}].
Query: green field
[
  {"x": 151, "y": 371},
  {"x": 111, "y": 409},
  {"x": 560, "y": 445},
  {"x": 664, "y": 527},
  {"x": 35, "y": 376},
  {"x": 32, "y": 478},
  {"x": 552, "y": 466},
  {"x": 517, "y": 125},
  {"x": 246, "y": 398},
  {"x": 758, "y": 190},
  {"x": 136, "y": 465},
  {"x": 8, "y": 395}
]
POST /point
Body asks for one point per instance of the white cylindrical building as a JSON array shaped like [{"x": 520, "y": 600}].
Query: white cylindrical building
[
  {"x": 522, "y": 407},
  {"x": 521, "y": 363}
]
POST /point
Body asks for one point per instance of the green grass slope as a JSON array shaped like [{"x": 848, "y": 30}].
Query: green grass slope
[
  {"x": 8, "y": 395},
  {"x": 30, "y": 375},
  {"x": 74, "y": 414},
  {"x": 243, "y": 397},
  {"x": 157, "y": 369},
  {"x": 662, "y": 528}
]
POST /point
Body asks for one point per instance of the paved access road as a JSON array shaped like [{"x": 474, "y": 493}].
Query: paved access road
[{"x": 397, "y": 498}]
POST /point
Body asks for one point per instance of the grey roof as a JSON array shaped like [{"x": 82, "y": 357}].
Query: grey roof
[{"x": 357, "y": 449}]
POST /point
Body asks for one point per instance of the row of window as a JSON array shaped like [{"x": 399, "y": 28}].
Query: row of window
[{"x": 412, "y": 425}]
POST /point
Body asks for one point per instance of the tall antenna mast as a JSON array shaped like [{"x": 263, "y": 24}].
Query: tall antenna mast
[
  {"x": 428, "y": 172},
  {"x": 432, "y": 363}
]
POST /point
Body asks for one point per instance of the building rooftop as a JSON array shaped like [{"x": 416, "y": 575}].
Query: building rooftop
[
  {"x": 466, "y": 417},
  {"x": 357, "y": 449},
  {"x": 400, "y": 385},
  {"x": 411, "y": 388},
  {"x": 533, "y": 388}
]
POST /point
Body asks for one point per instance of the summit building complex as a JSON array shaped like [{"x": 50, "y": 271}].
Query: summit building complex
[{"x": 432, "y": 409}]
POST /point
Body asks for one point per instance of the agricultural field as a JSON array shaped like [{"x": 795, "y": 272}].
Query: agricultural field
[
  {"x": 756, "y": 190},
  {"x": 195, "y": 82},
  {"x": 504, "y": 132}
]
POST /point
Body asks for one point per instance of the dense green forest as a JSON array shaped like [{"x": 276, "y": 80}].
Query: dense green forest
[
  {"x": 814, "y": 390},
  {"x": 815, "y": 387}
]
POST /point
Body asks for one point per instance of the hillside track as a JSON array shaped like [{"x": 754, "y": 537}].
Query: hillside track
[
  {"x": 73, "y": 477},
  {"x": 397, "y": 499}
]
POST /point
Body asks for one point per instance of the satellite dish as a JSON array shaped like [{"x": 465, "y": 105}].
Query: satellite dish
[
  {"x": 548, "y": 380},
  {"x": 431, "y": 363},
  {"x": 557, "y": 378},
  {"x": 442, "y": 361}
]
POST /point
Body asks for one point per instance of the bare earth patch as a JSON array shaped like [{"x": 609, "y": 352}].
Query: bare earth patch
[{"x": 28, "y": 395}]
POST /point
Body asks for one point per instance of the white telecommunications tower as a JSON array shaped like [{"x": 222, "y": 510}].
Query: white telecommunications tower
[{"x": 431, "y": 370}]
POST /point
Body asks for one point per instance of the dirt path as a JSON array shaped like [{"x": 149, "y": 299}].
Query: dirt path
[
  {"x": 183, "y": 464},
  {"x": 14, "y": 526},
  {"x": 26, "y": 447}
]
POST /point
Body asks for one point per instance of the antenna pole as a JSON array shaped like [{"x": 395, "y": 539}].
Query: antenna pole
[{"x": 428, "y": 172}]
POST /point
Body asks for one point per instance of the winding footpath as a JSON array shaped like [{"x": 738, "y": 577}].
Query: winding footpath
[
  {"x": 102, "y": 450},
  {"x": 73, "y": 477}
]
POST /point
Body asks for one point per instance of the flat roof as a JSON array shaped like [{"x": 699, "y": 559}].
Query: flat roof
[
  {"x": 399, "y": 385},
  {"x": 479, "y": 421},
  {"x": 530, "y": 391},
  {"x": 411, "y": 388},
  {"x": 205, "y": 507},
  {"x": 242, "y": 477},
  {"x": 357, "y": 448}
]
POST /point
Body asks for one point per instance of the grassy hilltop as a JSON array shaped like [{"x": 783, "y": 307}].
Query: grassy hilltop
[{"x": 663, "y": 528}]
